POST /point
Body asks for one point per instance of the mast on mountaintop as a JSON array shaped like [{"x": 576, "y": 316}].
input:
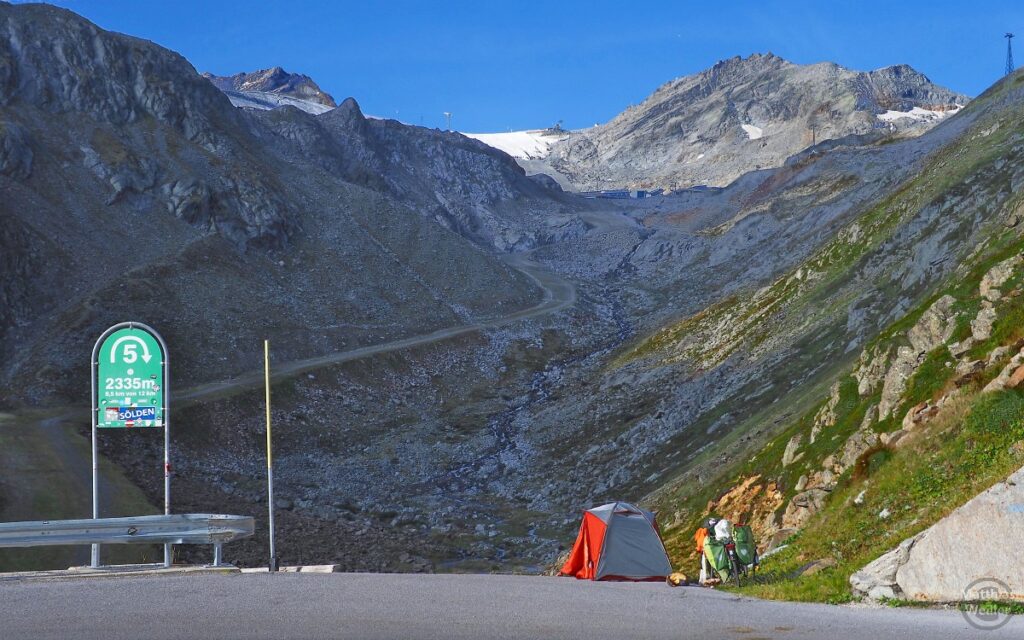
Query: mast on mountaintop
[{"x": 1009, "y": 53}]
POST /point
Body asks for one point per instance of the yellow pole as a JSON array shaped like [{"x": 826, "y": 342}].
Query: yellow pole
[
  {"x": 266, "y": 375},
  {"x": 270, "y": 457}
]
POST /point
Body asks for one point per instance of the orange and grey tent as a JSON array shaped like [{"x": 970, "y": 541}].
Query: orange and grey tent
[{"x": 618, "y": 541}]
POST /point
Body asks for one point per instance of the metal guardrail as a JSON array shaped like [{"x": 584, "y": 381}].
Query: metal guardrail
[{"x": 189, "y": 528}]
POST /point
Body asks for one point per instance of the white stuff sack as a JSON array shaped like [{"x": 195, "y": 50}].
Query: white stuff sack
[{"x": 723, "y": 530}]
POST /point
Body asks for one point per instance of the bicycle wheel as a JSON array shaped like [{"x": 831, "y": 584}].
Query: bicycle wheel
[{"x": 735, "y": 568}]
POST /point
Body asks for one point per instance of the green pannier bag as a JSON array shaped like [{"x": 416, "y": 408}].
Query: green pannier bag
[
  {"x": 746, "y": 550},
  {"x": 716, "y": 554}
]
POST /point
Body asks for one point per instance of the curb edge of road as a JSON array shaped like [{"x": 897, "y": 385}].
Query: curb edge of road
[
  {"x": 307, "y": 568},
  {"x": 122, "y": 571}
]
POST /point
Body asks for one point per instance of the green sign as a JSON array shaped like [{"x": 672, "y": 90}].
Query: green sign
[{"x": 130, "y": 381}]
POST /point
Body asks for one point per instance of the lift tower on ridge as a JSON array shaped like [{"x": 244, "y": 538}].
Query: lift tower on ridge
[{"x": 1009, "y": 53}]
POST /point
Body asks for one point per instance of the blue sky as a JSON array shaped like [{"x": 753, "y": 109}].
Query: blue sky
[{"x": 519, "y": 64}]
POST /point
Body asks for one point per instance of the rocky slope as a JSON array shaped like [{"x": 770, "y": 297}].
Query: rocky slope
[
  {"x": 272, "y": 88},
  {"x": 741, "y": 115}
]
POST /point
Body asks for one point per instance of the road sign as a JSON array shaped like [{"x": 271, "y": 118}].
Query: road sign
[{"x": 130, "y": 380}]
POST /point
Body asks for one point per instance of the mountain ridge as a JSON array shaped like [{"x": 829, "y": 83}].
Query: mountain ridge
[{"x": 739, "y": 115}]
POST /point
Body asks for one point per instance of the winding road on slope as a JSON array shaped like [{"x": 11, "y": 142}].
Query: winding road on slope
[{"x": 559, "y": 294}]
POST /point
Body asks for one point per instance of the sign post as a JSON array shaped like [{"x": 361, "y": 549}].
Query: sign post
[
  {"x": 130, "y": 390},
  {"x": 272, "y": 567}
]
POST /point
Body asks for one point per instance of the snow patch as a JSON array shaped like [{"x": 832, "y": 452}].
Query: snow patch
[
  {"x": 753, "y": 132},
  {"x": 918, "y": 114},
  {"x": 267, "y": 101},
  {"x": 528, "y": 145}
]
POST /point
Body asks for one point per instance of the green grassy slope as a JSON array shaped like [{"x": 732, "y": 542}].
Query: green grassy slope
[{"x": 47, "y": 476}]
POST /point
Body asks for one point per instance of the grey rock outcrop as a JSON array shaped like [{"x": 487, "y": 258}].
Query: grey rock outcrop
[
  {"x": 15, "y": 152},
  {"x": 877, "y": 580},
  {"x": 934, "y": 328},
  {"x": 59, "y": 64},
  {"x": 941, "y": 563},
  {"x": 981, "y": 325},
  {"x": 858, "y": 443},
  {"x": 826, "y": 416},
  {"x": 813, "y": 491},
  {"x": 73, "y": 66},
  {"x": 789, "y": 456},
  {"x": 1001, "y": 381},
  {"x": 997, "y": 276},
  {"x": 871, "y": 370},
  {"x": 462, "y": 183},
  {"x": 802, "y": 507},
  {"x": 961, "y": 347},
  {"x": 129, "y": 174}
]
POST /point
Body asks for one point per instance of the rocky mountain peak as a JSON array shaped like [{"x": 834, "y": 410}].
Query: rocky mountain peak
[
  {"x": 276, "y": 81},
  {"x": 901, "y": 88},
  {"x": 741, "y": 115},
  {"x": 755, "y": 62}
]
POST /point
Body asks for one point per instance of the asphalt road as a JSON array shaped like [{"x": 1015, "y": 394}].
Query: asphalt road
[{"x": 311, "y": 606}]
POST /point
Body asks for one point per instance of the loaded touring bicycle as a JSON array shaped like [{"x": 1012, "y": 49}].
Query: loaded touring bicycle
[{"x": 727, "y": 550}]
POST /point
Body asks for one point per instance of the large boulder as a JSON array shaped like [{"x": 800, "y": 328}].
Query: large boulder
[{"x": 983, "y": 539}]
